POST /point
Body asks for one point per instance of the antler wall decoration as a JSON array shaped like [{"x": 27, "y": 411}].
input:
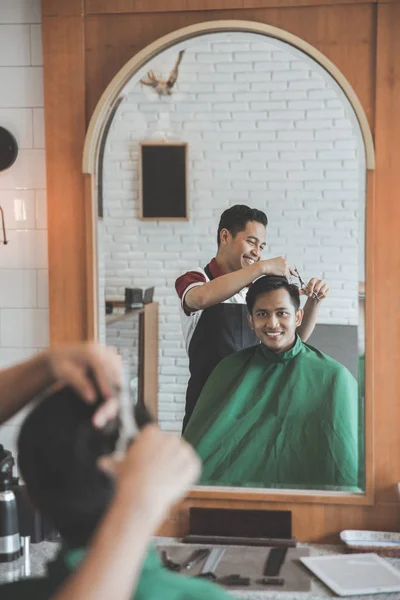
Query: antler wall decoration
[{"x": 164, "y": 87}]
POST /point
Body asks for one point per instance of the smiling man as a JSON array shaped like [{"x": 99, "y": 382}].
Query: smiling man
[
  {"x": 281, "y": 413},
  {"x": 213, "y": 299}
]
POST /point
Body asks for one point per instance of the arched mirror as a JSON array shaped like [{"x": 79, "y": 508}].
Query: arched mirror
[{"x": 263, "y": 124}]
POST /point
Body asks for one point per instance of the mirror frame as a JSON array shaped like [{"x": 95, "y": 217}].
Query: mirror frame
[{"x": 95, "y": 133}]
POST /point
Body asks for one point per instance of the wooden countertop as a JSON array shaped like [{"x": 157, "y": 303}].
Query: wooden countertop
[{"x": 115, "y": 317}]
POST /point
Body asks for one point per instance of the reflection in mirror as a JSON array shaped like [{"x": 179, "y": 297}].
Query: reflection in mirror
[
  {"x": 280, "y": 413},
  {"x": 267, "y": 127}
]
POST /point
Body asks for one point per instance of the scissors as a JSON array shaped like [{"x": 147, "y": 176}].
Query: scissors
[
  {"x": 303, "y": 285},
  {"x": 133, "y": 416}
]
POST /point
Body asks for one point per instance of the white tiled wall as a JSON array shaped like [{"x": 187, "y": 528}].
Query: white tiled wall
[
  {"x": 265, "y": 126},
  {"x": 24, "y": 318}
]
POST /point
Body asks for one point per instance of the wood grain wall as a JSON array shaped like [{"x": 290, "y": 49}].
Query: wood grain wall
[
  {"x": 344, "y": 33},
  {"x": 64, "y": 92},
  {"x": 86, "y": 42}
]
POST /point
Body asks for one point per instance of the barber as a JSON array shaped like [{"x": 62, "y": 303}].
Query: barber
[{"x": 213, "y": 305}]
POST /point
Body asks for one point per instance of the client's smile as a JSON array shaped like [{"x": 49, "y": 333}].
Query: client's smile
[{"x": 273, "y": 334}]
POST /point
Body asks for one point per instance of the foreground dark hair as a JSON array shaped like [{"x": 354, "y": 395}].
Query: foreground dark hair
[
  {"x": 235, "y": 219},
  {"x": 57, "y": 452},
  {"x": 268, "y": 283}
]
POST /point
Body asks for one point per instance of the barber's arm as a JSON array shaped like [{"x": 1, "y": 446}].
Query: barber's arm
[
  {"x": 224, "y": 287},
  {"x": 68, "y": 364},
  {"x": 156, "y": 472},
  {"x": 316, "y": 290}
]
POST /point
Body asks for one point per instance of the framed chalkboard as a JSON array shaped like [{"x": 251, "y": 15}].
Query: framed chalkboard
[{"x": 163, "y": 181}]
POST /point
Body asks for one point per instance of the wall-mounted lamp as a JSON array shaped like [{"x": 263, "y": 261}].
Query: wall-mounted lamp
[
  {"x": 8, "y": 149},
  {"x": 3, "y": 225},
  {"x": 8, "y": 156}
]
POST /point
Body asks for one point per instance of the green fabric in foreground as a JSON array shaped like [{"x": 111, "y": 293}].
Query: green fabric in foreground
[
  {"x": 286, "y": 420},
  {"x": 155, "y": 582}
]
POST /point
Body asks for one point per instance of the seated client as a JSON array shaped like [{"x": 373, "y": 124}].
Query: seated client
[
  {"x": 59, "y": 451},
  {"x": 281, "y": 413}
]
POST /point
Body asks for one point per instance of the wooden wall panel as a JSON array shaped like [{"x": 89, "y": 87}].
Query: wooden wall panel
[
  {"x": 141, "y": 6},
  {"x": 61, "y": 8},
  {"x": 64, "y": 97},
  {"x": 311, "y": 523},
  {"x": 387, "y": 251},
  {"x": 345, "y": 34}
]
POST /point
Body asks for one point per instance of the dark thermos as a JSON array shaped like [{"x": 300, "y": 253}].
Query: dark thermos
[{"x": 10, "y": 543}]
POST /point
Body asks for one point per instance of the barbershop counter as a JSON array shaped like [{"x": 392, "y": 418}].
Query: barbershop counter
[{"x": 45, "y": 551}]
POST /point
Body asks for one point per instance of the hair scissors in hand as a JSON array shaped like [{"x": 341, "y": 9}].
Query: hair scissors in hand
[{"x": 303, "y": 285}]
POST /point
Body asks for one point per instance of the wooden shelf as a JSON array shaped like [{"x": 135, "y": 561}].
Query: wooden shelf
[
  {"x": 147, "y": 347},
  {"x": 115, "y": 318}
]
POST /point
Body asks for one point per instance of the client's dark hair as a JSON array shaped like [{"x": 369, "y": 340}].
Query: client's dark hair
[
  {"x": 235, "y": 219},
  {"x": 268, "y": 283},
  {"x": 57, "y": 452}
]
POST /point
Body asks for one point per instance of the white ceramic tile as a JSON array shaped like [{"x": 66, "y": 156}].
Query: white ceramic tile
[
  {"x": 19, "y": 121},
  {"x": 18, "y": 288},
  {"x": 38, "y": 128},
  {"x": 17, "y": 420},
  {"x": 8, "y": 358},
  {"x": 20, "y": 11},
  {"x": 25, "y": 250},
  {"x": 36, "y": 46},
  {"x": 42, "y": 288},
  {"x": 28, "y": 171},
  {"x": 8, "y": 438},
  {"x": 41, "y": 209},
  {"x": 19, "y": 209},
  {"x": 24, "y": 327},
  {"x": 21, "y": 87},
  {"x": 11, "y": 356},
  {"x": 15, "y": 45}
]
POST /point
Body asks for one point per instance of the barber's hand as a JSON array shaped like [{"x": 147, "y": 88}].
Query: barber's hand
[
  {"x": 316, "y": 289},
  {"x": 277, "y": 266},
  {"x": 71, "y": 364},
  {"x": 157, "y": 470}
]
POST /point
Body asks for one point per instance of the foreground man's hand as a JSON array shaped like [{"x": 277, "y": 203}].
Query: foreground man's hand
[
  {"x": 73, "y": 364},
  {"x": 157, "y": 469}
]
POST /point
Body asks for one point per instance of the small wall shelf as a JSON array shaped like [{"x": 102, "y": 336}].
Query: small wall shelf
[{"x": 148, "y": 349}]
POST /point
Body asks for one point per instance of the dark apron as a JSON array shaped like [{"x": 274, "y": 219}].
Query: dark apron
[{"x": 222, "y": 330}]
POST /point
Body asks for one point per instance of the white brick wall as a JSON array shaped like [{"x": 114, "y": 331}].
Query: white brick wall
[
  {"x": 266, "y": 126},
  {"x": 24, "y": 319}
]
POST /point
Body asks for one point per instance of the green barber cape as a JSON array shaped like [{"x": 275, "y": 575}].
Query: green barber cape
[
  {"x": 155, "y": 582},
  {"x": 278, "y": 420}
]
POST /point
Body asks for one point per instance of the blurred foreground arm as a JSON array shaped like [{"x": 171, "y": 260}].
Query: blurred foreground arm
[
  {"x": 67, "y": 364},
  {"x": 155, "y": 473}
]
